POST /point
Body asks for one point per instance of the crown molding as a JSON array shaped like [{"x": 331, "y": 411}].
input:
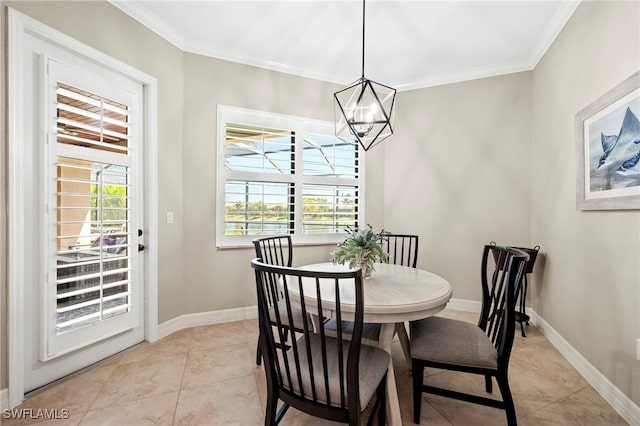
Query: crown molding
[
  {"x": 151, "y": 21},
  {"x": 199, "y": 47},
  {"x": 449, "y": 78},
  {"x": 202, "y": 48},
  {"x": 555, "y": 25}
]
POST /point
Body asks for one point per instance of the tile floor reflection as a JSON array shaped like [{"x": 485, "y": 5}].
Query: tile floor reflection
[{"x": 207, "y": 376}]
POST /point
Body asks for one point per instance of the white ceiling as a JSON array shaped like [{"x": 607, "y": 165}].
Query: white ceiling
[{"x": 409, "y": 44}]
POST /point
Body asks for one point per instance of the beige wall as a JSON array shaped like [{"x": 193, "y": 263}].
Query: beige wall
[
  {"x": 104, "y": 27},
  {"x": 220, "y": 278},
  {"x": 189, "y": 88},
  {"x": 472, "y": 162},
  {"x": 458, "y": 173},
  {"x": 588, "y": 286},
  {"x": 93, "y": 23}
]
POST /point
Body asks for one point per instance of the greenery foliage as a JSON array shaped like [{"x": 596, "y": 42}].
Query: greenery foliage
[
  {"x": 256, "y": 216},
  {"x": 114, "y": 201},
  {"x": 361, "y": 248}
]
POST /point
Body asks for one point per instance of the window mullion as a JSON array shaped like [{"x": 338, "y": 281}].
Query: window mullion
[
  {"x": 298, "y": 180},
  {"x": 262, "y": 177}
]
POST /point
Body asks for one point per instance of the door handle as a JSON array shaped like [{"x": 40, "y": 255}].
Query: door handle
[{"x": 141, "y": 247}]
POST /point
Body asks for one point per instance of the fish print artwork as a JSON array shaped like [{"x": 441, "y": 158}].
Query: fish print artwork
[{"x": 614, "y": 146}]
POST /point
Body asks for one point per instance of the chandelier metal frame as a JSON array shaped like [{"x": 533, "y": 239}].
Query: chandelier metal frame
[{"x": 364, "y": 109}]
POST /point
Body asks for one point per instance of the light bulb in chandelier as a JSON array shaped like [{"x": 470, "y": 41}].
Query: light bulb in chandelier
[{"x": 361, "y": 120}]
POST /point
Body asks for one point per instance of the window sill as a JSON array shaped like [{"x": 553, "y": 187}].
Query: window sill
[{"x": 308, "y": 241}]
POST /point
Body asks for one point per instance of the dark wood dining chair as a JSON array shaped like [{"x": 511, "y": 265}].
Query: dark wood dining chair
[
  {"x": 402, "y": 248},
  {"x": 323, "y": 376},
  {"x": 521, "y": 314},
  {"x": 482, "y": 349},
  {"x": 278, "y": 250}
]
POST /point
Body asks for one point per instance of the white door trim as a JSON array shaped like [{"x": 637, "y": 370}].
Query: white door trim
[{"x": 18, "y": 26}]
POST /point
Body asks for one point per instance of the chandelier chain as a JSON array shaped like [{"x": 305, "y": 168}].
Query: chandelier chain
[{"x": 363, "y": 18}]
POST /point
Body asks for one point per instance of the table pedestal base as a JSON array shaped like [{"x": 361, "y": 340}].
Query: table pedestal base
[{"x": 387, "y": 331}]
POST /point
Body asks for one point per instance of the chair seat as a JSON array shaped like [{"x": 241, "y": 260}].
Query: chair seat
[
  {"x": 298, "y": 320},
  {"x": 452, "y": 342},
  {"x": 370, "y": 331},
  {"x": 374, "y": 363}
]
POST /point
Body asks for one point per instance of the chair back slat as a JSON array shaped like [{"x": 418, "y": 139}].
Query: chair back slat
[
  {"x": 280, "y": 325},
  {"x": 307, "y": 332},
  {"x": 276, "y": 250},
  {"x": 292, "y": 330},
  {"x": 497, "y": 298},
  {"x": 305, "y": 366},
  {"x": 502, "y": 273},
  {"x": 402, "y": 248},
  {"x": 343, "y": 402}
]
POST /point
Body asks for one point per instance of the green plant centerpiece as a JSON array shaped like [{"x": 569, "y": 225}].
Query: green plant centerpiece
[{"x": 361, "y": 248}]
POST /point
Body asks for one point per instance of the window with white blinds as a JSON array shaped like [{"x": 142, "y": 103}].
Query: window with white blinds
[
  {"x": 92, "y": 232},
  {"x": 258, "y": 208},
  {"x": 329, "y": 209},
  {"x": 85, "y": 119},
  {"x": 285, "y": 175}
]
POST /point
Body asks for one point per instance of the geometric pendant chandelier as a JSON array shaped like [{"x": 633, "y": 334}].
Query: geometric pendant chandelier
[{"x": 364, "y": 109}]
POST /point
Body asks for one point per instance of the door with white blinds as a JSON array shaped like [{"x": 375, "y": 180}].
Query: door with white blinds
[{"x": 92, "y": 296}]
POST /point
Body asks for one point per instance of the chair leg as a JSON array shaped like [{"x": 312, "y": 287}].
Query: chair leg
[
  {"x": 271, "y": 410},
  {"x": 488, "y": 384},
  {"x": 355, "y": 417},
  {"x": 258, "y": 354},
  {"x": 503, "y": 383},
  {"x": 523, "y": 297},
  {"x": 418, "y": 375},
  {"x": 382, "y": 401}
]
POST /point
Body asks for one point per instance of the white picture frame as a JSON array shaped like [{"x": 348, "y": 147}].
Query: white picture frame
[{"x": 608, "y": 150}]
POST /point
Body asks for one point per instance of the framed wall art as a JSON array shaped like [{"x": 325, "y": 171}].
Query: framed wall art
[{"x": 608, "y": 150}]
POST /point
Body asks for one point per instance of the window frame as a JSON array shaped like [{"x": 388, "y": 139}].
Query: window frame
[{"x": 301, "y": 126}]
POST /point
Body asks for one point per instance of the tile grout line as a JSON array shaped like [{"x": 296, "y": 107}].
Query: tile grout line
[
  {"x": 436, "y": 410},
  {"x": 184, "y": 370},
  {"x": 101, "y": 389}
]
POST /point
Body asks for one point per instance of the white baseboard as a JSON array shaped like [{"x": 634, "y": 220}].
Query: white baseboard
[
  {"x": 614, "y": 396},
  {"x": 4, "y": 399},
  {"x": 620, "y": 402},
  {"x": 206, "y": 318}
]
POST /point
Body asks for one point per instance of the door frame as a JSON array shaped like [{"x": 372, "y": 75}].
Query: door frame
[{"x": 19, "y": 25}]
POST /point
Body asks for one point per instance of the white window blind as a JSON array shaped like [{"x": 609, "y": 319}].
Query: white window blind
[
  {"x": 92, "y": 211},
  {"x": 259, "y": 150},
  {"x": 92, "y": 264},
  {"x": 258, "y": 208},
  {"x": 326, "y": 155},
  {"x": 329, "y": 209},
  {"x": 85, "y": 119},
  {"x": 285, "y": 175}
]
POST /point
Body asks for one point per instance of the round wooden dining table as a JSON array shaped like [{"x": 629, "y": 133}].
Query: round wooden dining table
[{"x": 392, "y": 295}]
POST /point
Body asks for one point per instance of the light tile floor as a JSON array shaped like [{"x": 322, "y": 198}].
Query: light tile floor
[{"x": 207, "y": 376}]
